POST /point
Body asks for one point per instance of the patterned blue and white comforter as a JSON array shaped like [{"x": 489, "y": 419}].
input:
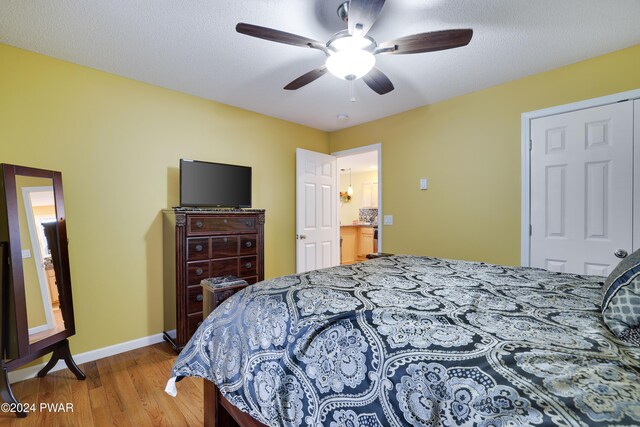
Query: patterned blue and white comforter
[{"x": 419, "y": 341}]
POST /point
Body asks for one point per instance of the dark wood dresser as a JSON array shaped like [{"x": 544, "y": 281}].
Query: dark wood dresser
[{"x": 203, "y": 243}]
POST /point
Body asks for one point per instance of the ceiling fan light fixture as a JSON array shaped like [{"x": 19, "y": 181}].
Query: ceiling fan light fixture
[
  {"x": 351, "y": 52},
  {"x": 350, "y": 64},
  {"x": 349, "y": 57},
  {"x": 344, "y": 41}
]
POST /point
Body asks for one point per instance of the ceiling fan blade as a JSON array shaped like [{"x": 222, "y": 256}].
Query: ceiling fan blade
[
  {"x": 278, "y": 36},
  {"x": 427, "y": 42},
  {"x": 307, "y": 78},
  {"x": 362, "y": 14},
  {"x": 378, "y": 81}
]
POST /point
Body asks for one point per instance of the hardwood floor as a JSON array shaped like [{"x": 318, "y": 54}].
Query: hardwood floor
[{"x": 122, "y": 390}]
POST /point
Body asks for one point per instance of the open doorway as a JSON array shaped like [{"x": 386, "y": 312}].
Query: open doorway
[{"x": 360, "y": 207}]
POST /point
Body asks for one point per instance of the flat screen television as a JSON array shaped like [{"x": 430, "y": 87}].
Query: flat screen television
[{"x": 208, "y": 184}]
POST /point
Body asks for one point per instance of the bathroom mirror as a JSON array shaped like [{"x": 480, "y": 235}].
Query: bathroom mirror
[{"x": 36, "y": 290}]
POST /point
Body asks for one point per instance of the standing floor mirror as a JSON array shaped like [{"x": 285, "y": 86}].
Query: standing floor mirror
[{"x": 36, "y": 311}]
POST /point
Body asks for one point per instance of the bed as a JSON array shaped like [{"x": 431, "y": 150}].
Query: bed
[{"x": 408, "y": 340}]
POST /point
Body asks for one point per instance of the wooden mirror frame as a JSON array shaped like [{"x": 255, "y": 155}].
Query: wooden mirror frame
[{"x": 14, "y": 343}]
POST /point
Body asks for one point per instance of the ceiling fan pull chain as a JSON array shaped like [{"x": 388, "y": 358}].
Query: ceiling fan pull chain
[{"x": 352, "y": 93}]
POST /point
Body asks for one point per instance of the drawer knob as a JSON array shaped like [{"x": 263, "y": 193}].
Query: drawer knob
[
  {"x": 226, "y": 221},
  {"x": 199, "y": 248},
  {"x": 248, "y": 244},
  {"x": 248, "y": 223},
  {"x": 199, "y": 271},
  {"x": 199, "y": 224},
  {"x": 199, "y": 298},
  {"x": 225, "y": 240},
  {"x": 248, "y": 265}
]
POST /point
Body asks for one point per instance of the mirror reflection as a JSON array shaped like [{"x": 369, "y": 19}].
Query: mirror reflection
[{"x": 39, "y": 240}]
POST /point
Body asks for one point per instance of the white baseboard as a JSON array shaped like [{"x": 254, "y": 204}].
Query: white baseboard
[{"x": 89, "y": 356}]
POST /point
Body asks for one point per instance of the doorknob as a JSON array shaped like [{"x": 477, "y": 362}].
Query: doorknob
[
  {"x": 300, "y": 236},
  {"x": 621, "y": 253}
]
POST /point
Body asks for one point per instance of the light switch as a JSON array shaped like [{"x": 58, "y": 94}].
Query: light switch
[
  {"x": 388, "y": 220},
  {"x": 26, "y": 253},
  {"x": 424, "y": 183}
]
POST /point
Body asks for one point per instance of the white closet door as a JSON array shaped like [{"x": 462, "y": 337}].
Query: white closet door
[
  {"x": 581, "y": 189},
  {"x": 636, "y": 180}
]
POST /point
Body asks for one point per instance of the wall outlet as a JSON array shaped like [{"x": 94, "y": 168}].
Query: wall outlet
[
  {"x": 26, "y": 253},
  {"x": 424, "y": 183},
  {"x": 388, "y": 220}
]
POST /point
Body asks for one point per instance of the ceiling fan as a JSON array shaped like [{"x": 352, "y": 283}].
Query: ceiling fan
[{"x": 351, "y": 53}]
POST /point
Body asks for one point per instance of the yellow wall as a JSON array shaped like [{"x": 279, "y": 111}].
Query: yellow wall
[
  {"x": 117, "y": 143},
  {"x": 44, "y": 211},
  {"x": 469, "y": 149}
]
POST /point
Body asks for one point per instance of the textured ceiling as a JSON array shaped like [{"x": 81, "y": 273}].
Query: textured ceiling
[{"x": 192, "y": 47}]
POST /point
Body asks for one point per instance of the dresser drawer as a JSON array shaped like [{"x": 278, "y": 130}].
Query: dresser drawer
[
  {"x": 224, "y": 247},
  {"x": 220, "y": 225},
  {"x": 224, "y": 267},
  {"x": 248, "y": 266},
  {"x": 197, "y": 248},
  {"x": 251, "y": 280},
  {"x": 196, "y": 271},
  {"x": 248, "y": 244},
  {"x": 222, "y": 295},
  {"x": 194, "y": 299}
]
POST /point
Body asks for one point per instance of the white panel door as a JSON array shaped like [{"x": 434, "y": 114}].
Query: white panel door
[
  {"x": 581, "y": 189},
  {"x": 636, "y": 175},
  {"x": 317, "y": 226}
]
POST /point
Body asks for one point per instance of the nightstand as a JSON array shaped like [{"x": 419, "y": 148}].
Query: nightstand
[{"x": 217, "y": 289}]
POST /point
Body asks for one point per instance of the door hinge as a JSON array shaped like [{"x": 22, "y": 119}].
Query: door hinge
[
  {"x": 530, "y": 230},
  {"x": 530, "y": 145}
]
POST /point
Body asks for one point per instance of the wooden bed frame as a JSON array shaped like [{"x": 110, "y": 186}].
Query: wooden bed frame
[{"x": 218, "y": 411}]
